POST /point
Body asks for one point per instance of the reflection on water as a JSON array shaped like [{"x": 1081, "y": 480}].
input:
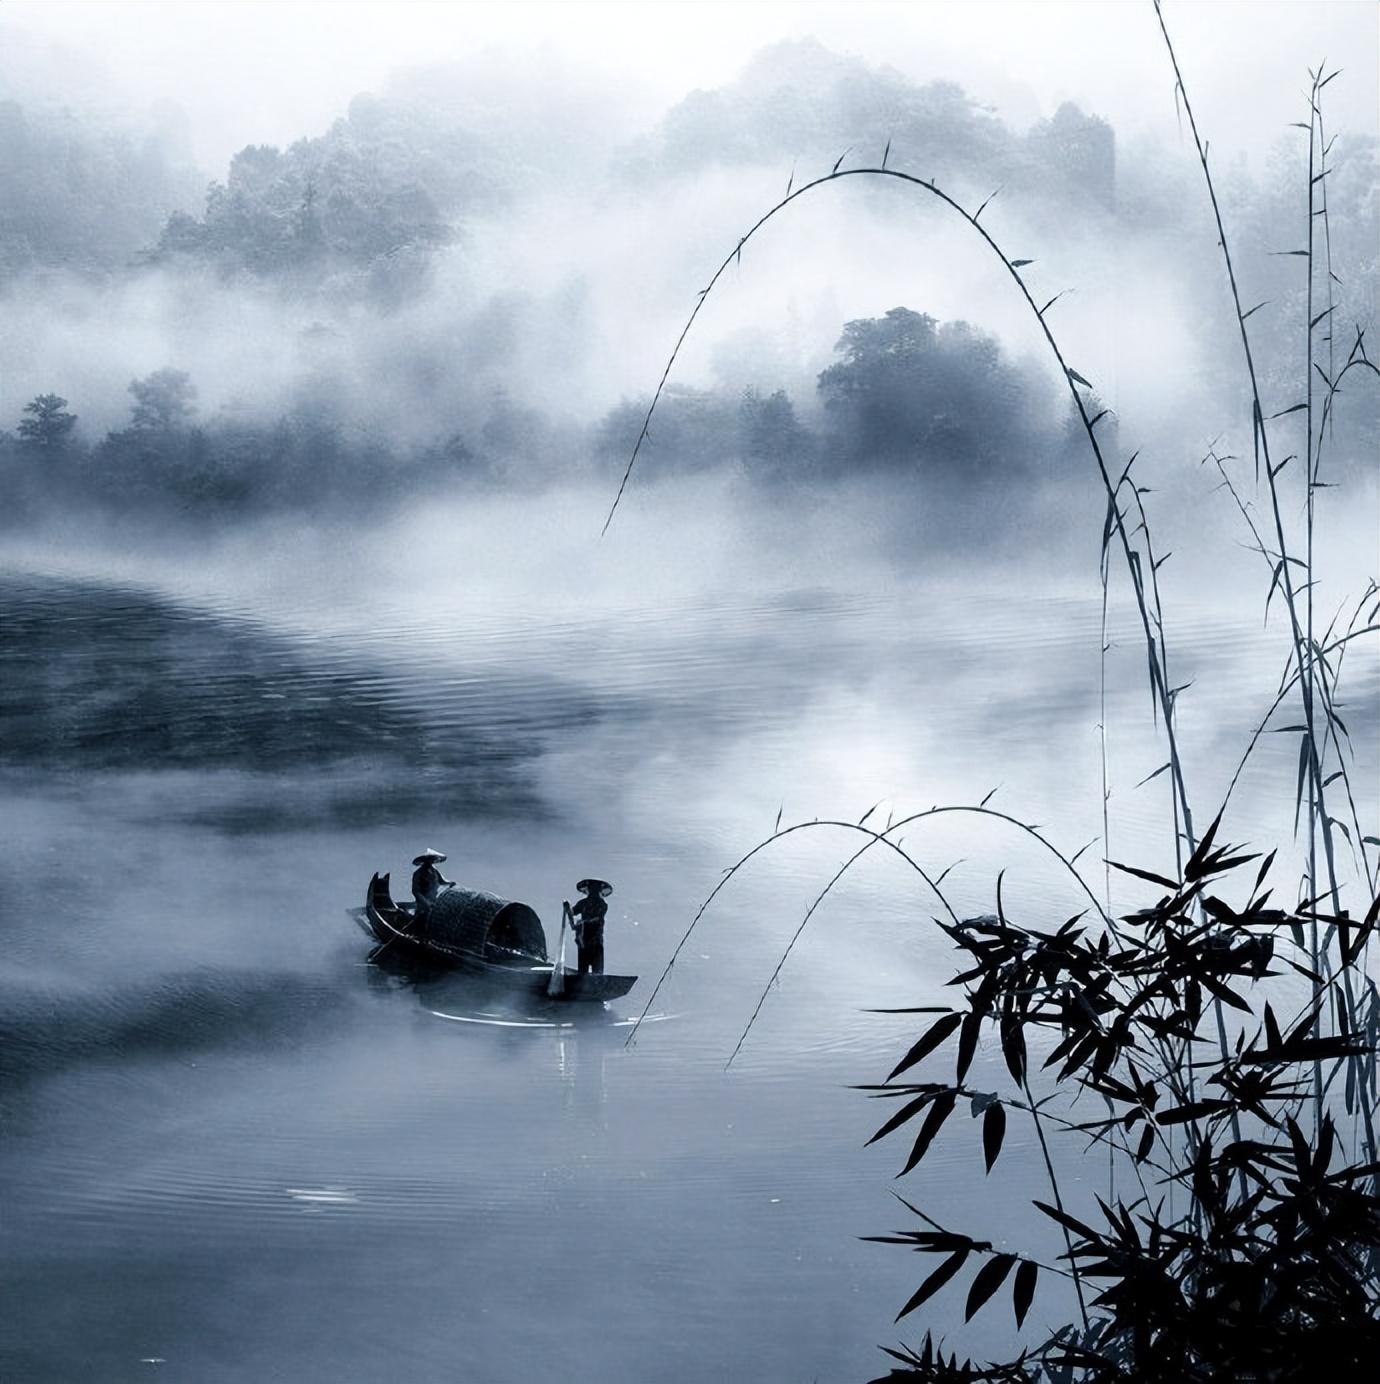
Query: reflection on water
[
  {"x": 233, "y": 1147},
  {"x": 475, "y": 999}
]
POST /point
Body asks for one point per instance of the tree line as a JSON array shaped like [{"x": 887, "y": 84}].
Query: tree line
[{"x": 906, "y": 393}]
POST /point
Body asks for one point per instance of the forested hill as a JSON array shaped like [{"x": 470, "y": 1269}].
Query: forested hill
[
  {"x": 399, "y": 175},
  {"x": 799, "y": 104},
  {"x": 382, "y": 188},
  {"x": 475, "y": 275}
]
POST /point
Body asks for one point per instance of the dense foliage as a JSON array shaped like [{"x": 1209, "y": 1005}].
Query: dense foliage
[
  {"x": 337, "y": 244},
  {"x": 910, "y": 388},
  {"x": 941, "y": 401},
  {"x": 360, "y": 207},
  {"x": 800, "y": 101},
  {"x": 1269, "y": 1266}
]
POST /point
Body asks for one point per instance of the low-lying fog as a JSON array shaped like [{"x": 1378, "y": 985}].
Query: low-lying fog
[
  {"x": 225, "y": 1131},
  {"x": 301, "y": 571}
]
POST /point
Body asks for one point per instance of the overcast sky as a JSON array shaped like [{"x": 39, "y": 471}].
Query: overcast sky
[{"x": 248, "y": 72}]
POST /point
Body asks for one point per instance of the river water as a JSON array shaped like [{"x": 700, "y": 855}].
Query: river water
[{"x": 235, "y": 1151}]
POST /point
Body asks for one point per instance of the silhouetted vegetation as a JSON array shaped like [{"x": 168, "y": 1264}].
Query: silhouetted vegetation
[
  {"x": 337, "y": 234},
  {"x": 1269, "y": 1267},
  {"x": 369, "y": 200},
  {"x": 943, "y": 396},
  {"x": 1239, "y": 1110},
  {"x": 47, "y": 425},
  {"x": 909, "y": 396}
]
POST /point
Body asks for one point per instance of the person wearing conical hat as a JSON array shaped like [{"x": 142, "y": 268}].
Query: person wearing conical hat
[
  {"x": 427, "y": 880},
  {"x": 589, "y": 915}
]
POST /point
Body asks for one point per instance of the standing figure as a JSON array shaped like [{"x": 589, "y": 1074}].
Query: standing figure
[
  {"x": 427, "y": 881},
  {"x": 589, "y": 916}
]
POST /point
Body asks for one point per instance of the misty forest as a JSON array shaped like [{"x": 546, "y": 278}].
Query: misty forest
[{"x": 806, "y": 574}]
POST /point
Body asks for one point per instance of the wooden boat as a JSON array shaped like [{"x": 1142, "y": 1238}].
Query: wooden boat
[{"x": 498, "y": 940}]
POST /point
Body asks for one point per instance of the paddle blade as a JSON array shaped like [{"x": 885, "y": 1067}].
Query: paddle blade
[{"x": 555, "y": 987}]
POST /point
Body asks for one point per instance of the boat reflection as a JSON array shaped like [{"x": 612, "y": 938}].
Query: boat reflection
[
  {"x": 587, "y": 1037},
  {"x": 461, "y": 998}
]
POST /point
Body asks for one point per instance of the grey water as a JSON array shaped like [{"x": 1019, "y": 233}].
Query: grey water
[{"x": 234, "y": 1150}]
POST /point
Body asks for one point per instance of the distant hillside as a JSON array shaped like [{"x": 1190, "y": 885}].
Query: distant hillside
[
  {"x": 82, "y": 198},
  {"x": 799, "y": 104},
  {"x": 380, "y": 190}
]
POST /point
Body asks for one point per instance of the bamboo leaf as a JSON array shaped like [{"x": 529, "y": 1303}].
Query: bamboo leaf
[
  {"x": 926, "y": 1044},
  {"x": 1304, "y": 742},
  {"x": 986, "y": 1281},
  {"x": 907, "y": 1112},
  {"x": 947, "y": 868},
  {"x": 934, "y": 1282},
  {"x": 1023, "y": 1291},
  {"x": 940, "y": 1110},
  {"x": 912, "y": 1009},
  {"x": 967, "y": 1043},
  {"x": 993, "y": 1132},
  {"x": 1020, "y": 264},
  {"x": 1085, "y": 1232},
  {"x": 1224, "y": 993},
  {"x": 1198, "y": 860},
  {"x": 1263, "y": 871},
  {"x": 1078, "y": 379},
  {"x": 1192, "y": 1110},
  {"x": 1144, "y": 874},
  {"x": 1274, "y": 582},
  {"x": 1013, "y": 1048}
]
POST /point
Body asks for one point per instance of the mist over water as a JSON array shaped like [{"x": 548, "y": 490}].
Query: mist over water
[
  {"x": 339, "y": 594},
  {"x": 227, "y": 1132}
]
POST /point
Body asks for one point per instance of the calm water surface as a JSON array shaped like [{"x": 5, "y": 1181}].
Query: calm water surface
[{"x": 234, "y": 1151}]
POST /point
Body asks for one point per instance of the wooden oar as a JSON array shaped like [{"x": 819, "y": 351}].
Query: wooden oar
[{"x": 555, "y": 987}]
